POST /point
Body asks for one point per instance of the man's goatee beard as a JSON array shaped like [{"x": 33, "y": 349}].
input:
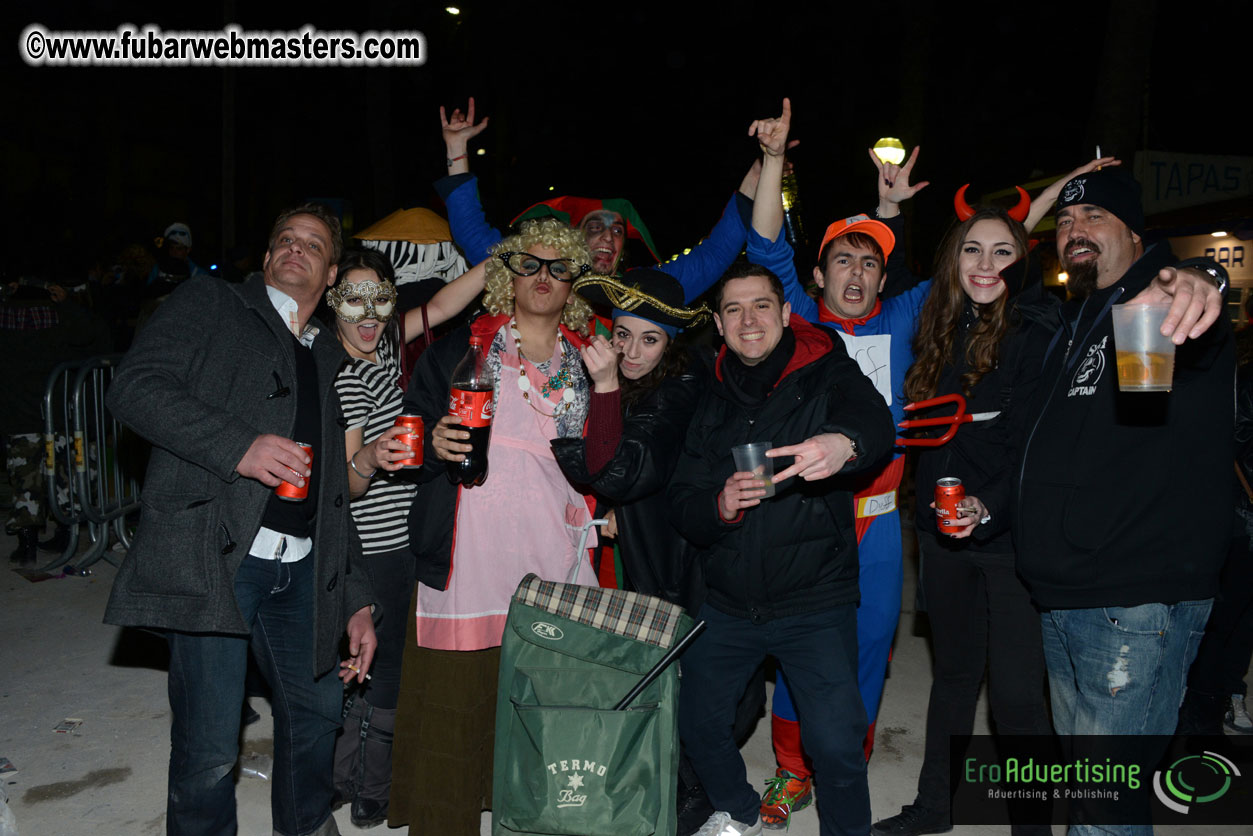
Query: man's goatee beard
[{"x": 1082, "y": 280}]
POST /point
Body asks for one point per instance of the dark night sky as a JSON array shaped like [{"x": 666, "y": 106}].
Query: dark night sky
[{"x": 648, "y": 101}]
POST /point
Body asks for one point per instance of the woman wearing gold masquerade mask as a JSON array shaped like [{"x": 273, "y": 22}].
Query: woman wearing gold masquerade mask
[{"x": 364, "y": 303}]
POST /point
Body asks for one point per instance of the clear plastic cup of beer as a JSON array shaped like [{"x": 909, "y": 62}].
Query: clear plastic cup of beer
[
  {"x": 751, "y": 458},
  {"x": 1146, "y": 358}
]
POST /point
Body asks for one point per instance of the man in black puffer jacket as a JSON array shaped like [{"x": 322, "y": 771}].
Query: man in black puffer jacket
[{"x": 781, "y": 571}]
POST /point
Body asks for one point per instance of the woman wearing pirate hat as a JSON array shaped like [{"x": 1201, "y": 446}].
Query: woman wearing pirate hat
[{"x": 644, "y": 388}]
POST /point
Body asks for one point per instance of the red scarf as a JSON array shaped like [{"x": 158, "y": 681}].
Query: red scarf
[{"x": 825, "y": 314}]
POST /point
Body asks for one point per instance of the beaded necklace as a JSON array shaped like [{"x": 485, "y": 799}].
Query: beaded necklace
[{"x": 561, "y": 380}]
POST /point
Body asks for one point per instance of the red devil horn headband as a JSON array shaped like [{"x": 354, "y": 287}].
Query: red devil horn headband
[{"x": 965, "y": 211}]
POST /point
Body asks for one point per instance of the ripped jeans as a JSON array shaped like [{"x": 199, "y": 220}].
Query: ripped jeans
[{"x": 1121, "y": 671}]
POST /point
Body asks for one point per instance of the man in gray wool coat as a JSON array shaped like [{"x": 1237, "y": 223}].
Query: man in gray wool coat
[{"x": 224, "y": 380}]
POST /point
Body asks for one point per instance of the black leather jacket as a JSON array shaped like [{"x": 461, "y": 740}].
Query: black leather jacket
[{"x": 656, "y": 558}]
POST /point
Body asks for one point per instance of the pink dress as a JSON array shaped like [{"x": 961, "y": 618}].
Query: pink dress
[{"x": 524, "y": 518}]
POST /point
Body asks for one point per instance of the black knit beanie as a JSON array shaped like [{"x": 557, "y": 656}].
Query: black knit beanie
[{"x": 1111, "y": 189}]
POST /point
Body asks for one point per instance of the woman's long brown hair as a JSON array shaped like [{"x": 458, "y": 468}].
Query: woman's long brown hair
[{"x": 942, "y": 313}]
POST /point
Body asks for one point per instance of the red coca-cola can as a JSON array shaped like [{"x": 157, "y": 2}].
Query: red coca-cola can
[
  {"x": 288, "y": 491},
  {"x": 412, "y": 439},
  {"x": 948, "y": 492}
]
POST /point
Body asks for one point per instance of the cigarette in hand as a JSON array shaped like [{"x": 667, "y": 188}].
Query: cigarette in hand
[{"x": 356, "y": 669}]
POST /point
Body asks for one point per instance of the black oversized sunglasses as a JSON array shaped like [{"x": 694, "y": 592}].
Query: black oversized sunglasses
[{"x": 561, "y": 269}]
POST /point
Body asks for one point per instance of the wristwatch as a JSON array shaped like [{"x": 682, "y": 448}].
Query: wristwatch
[
  {"x": 1219, "y": 277},
  {"x": 1215, "y": 272}
]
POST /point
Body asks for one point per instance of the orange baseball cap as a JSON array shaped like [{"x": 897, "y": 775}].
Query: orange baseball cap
[{"x": 877, "y": 230}]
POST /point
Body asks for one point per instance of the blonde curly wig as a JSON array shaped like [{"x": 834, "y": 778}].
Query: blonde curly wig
[{"x": 543, "y": 232}]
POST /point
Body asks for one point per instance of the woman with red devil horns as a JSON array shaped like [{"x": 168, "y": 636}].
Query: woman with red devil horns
[{"x": 969, "y": 343}]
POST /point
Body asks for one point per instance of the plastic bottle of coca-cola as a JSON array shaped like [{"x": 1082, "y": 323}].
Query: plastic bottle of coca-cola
[{"x": 471, "y": 399}]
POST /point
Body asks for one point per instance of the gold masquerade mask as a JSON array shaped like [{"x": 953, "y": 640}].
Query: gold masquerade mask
[{"x": 363, "y": 300}]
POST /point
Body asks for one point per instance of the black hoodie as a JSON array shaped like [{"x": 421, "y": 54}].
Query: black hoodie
[{"x": 1124, "y": 499}]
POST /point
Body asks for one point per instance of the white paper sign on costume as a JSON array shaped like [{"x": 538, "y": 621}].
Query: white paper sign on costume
[{"x": 873, "y": 353}]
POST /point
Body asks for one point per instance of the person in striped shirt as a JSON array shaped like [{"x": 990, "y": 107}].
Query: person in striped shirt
[{"x": 369, "y": 387}]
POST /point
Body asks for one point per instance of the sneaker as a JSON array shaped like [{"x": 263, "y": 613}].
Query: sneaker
[
  {"x": 912, "y": 820},
  {"x": 721, "y": 824},
  {"x": 785, "y": 794},
  {"x": 1237, "y": 718}
]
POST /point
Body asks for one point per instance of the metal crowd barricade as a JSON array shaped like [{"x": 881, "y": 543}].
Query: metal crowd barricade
[{"x": 87, "y": 489}]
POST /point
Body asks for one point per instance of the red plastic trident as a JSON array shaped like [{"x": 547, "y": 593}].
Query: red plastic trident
[{"x": 955, "y": 420}]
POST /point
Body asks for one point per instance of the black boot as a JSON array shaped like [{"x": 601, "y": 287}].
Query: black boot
[
  {"x": 58, "y": 542},
  {"x": 348, "y": 751},
  {"x": 369, "y": 808},
  {"x": 27, "y": 543}
]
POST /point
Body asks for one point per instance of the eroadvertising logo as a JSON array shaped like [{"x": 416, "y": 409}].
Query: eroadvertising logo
[
  {"x": 1194, "y": 780},
  {"x": 1042, "y": 780},
  {"x": 1102, "y": 780},
  {"x": 573, "y": 775}
]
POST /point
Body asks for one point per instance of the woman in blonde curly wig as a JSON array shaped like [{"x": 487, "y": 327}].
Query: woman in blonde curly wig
[
  {"x": 473, "y": 543},
  {"x": 546, "y": 232}
]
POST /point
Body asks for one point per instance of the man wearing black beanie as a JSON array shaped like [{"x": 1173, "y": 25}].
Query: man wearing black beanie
[
  {"x": 1124, "y": 577},
  {"x": 1099, "y": 251}
]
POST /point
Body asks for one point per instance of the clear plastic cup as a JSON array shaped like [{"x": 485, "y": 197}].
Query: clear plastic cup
[
  {"x": 1146, "y": 359},
  {"x": 751, "y": 458}
]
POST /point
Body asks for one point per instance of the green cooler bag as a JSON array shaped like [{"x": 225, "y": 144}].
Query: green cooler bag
[{"x": 566, "y": 763}]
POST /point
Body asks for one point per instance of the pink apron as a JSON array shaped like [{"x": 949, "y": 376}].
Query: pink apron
[{"x": 524, "y": 518}]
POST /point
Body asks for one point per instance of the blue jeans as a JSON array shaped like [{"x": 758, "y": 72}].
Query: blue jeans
[
  {"x": 818, "y": 651},
  {"x": 206, "y": 690},
  {"x": 1121, "y": 671}
]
